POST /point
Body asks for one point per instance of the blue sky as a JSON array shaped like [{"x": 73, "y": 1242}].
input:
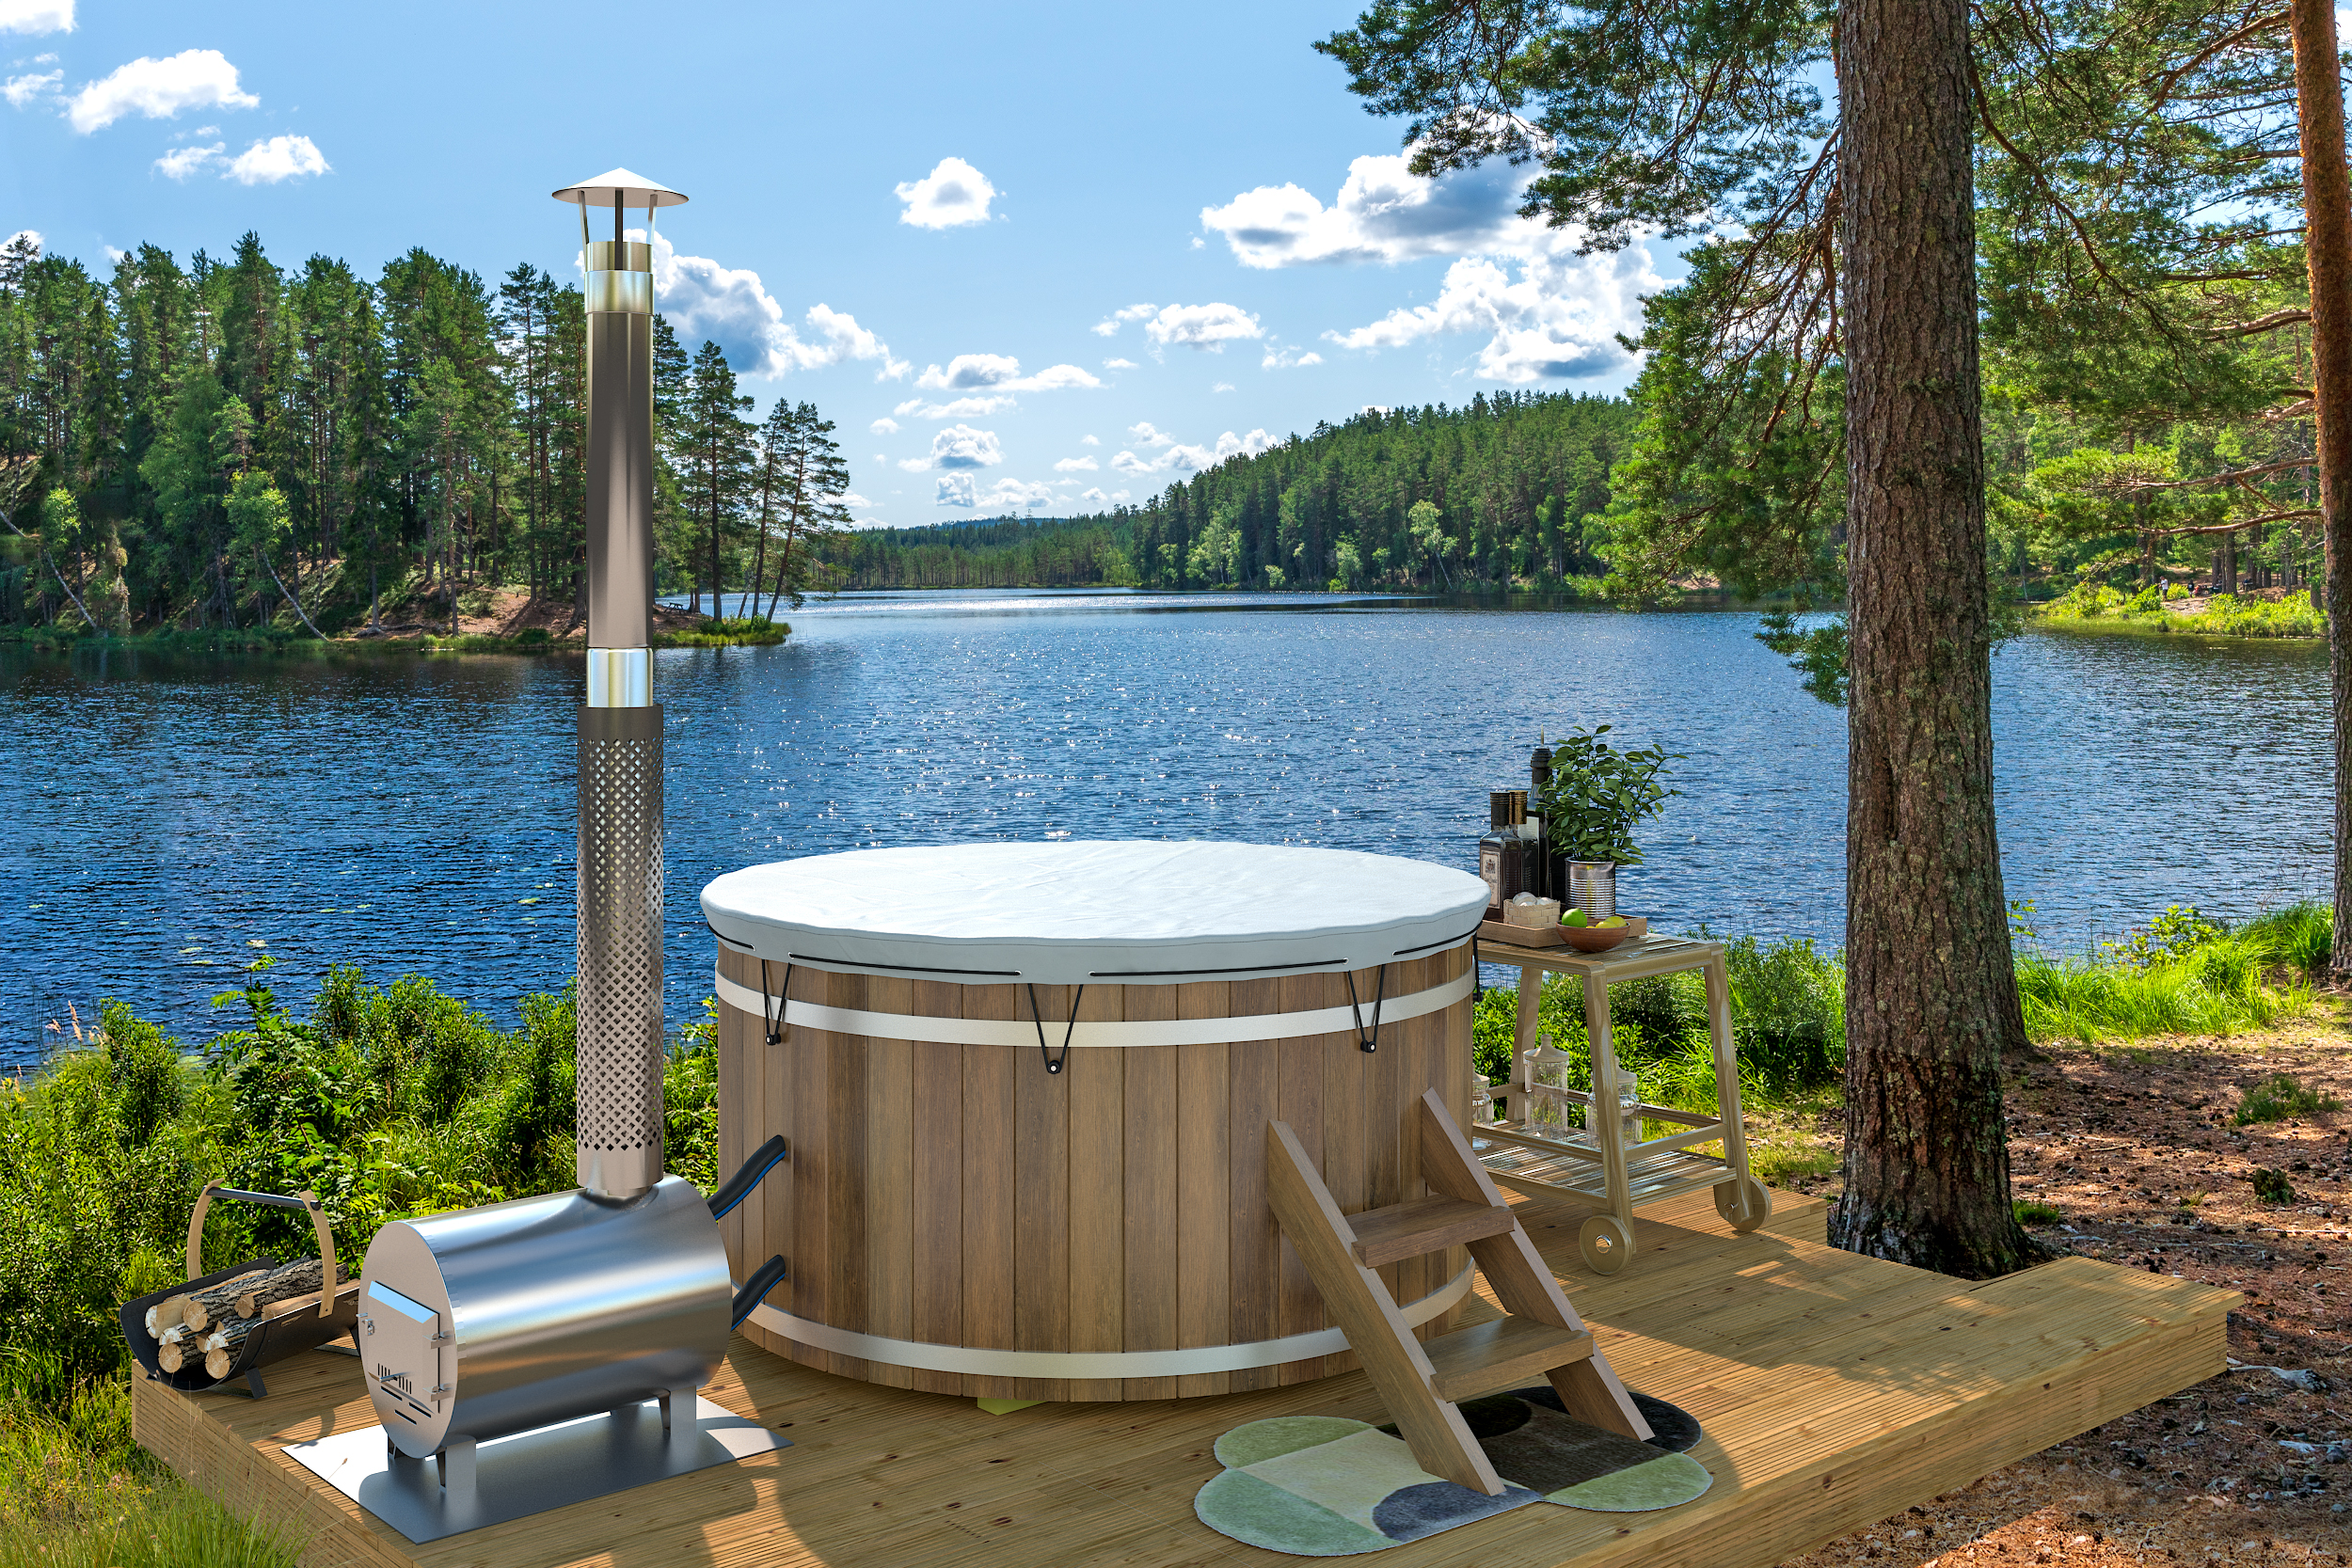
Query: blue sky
[{"x": 1031, "y": 258}]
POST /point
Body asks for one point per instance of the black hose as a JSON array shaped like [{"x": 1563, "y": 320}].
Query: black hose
[
  {"x": 739, "y": 1186},
  {"x": 756, "y": 1289}
]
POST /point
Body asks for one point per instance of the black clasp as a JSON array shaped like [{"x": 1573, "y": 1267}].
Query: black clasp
[
  {"x": 778, "y": 1030},
  {"x": 1053, "y": 1063},
  {"x": 1366, "y": 1043}
]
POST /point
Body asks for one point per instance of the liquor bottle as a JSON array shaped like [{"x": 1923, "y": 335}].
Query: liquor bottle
[
  {"x": 1539, "y": 871},
  {"x": 1502, "y": 854}
]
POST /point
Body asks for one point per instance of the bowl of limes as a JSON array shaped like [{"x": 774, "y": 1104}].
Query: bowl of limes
[{"x": 1588, "y": 935}]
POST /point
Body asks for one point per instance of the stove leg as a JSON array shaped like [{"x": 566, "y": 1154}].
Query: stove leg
[{"x": 457, "y": 1466}]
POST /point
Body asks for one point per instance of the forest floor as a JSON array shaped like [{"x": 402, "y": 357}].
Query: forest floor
[{"x": 2137, "y": 1148}]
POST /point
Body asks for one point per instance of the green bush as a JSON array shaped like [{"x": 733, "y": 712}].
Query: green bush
[
  {"x": 2034, "y": 1212},
  {"x": 2280, "y": 1097}
]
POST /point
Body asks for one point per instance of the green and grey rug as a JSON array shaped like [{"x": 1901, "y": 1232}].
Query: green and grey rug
[{"x": 1326, "y": 1486}]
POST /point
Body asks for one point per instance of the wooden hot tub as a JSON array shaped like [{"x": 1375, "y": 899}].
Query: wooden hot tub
[{"x": 963, "y": 1216}]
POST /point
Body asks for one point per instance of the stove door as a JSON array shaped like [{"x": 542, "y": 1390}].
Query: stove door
[{"x": 403, "y": 1341}]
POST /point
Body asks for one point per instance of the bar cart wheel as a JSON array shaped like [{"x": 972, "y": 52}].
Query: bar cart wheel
[
  {"x": 1759, "y": 1203},
  {"x": 1607, "y": 1242}
]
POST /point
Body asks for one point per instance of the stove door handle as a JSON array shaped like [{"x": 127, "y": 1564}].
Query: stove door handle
[
  {"x": 739, "y": 1186},
  {"x": 756, "y": 1289}
]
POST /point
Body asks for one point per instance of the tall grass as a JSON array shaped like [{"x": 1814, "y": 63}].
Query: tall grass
[
  {"x": 77, "y": 1492},
  {"x": 2183, "y": 976}
]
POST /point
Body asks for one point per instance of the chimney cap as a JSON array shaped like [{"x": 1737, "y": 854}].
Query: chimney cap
[{"x": 632, "y": 190}]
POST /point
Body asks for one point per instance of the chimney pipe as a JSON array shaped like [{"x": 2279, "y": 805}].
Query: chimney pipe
[{"x": 618, "y": 1078}]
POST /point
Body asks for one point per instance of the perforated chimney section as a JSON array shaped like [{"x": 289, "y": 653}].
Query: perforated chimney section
[{"x": 619, "y": 1075}]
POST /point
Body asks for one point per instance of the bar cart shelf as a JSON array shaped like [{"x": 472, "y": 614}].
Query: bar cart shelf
[{"x": 1535, "y": 1153}]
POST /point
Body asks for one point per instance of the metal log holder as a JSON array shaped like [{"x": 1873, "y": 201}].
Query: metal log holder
[{"x": 286, "y": 1328}]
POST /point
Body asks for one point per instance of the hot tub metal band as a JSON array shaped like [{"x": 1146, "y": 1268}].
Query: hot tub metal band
[
  {"x": 1089, "y": 1033},
  {"x": 978, "y": 1362}
]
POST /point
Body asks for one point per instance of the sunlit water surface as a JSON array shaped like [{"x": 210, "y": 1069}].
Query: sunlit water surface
[{"x": 166, "y": 819}]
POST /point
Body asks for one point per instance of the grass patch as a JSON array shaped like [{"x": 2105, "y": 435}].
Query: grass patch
[
  {"x": 2280, "y": 1097},
  {"x": 2096, "y": 607},
  {"x": 2033, "y": 1212},
  {"x": 77, "y": 1492},
  {"x": 2218, "y": 988}
]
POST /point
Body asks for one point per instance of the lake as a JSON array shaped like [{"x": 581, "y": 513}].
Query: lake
[{"x": 169, "y": 819}]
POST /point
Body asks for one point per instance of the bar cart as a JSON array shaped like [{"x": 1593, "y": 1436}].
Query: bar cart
[{"x": 1529, "y": 1145}]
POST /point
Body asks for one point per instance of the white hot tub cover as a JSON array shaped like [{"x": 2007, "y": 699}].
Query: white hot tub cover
[{"x": 1080, "y": 913}]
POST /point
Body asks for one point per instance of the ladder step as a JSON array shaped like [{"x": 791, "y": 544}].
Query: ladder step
[
  {"x": 1424, "y": 1225},
  {"x": 1504, "y": 1354}
]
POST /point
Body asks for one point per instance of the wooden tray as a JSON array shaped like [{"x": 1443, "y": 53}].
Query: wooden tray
[{"x": 1637, "y": 926}]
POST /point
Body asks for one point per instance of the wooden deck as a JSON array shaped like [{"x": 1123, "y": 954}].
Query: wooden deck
[{"x": 1836, "y": 1390}]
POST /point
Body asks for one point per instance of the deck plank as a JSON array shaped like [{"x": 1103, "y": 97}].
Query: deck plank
[{"x": 1835, "y": 1390}]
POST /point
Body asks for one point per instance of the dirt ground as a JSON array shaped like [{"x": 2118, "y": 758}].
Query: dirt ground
[{"x": 2137, "y": 1148}]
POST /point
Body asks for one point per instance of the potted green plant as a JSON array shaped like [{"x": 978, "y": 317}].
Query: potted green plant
[{"x": 1595, "y": 798}]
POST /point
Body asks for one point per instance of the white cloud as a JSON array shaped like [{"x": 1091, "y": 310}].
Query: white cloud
[
  {"x": 1208, "y": 326},
  {"x": 733, "y": 308},
  {"x": 1547, "y": 312},
  {"x": 182, "y": 162},
  {"x": 266, "y": 163},
  {"x": 959, "y": 408},
  {"x": 1558, "y": 319},
  {"x": 1383, "y": 212},
  {"x": 1281, "y": 356},
  {"x": 1001, "y": 373},
  {"x": 1187, "y": 459},
  {"x": 1222, "y": 387},
  {"x": 885, "y": 427},
  {"x": 1005, "y": 495},
  {"x": 1119, "y": 364},
  {"x": 1145, "y": 435},
  {"x": 959, "y": 446},
  {"x": 1110, "y": 325},
  {"x": 20, "y": 90},
  {"x": 952, "y": 193},
  {"x": 1096, "y": 496},
  {"x": 1077, "y": 465},
  {"x": 1090, "y": 441},
  {"x": 192, "y": 79},
  {"x": 35, "y": 16}
]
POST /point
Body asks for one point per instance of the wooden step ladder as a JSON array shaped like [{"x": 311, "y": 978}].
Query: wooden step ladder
[{"x": 1421, "y": 1383}]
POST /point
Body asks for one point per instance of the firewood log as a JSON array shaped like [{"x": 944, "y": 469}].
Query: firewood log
[
  {"x": 301, "y": 1277},
  {"x": 216, "y": 1301},
  {"x": 164, "y": 1314}
]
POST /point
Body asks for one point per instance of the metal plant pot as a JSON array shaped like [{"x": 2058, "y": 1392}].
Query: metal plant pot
[{"x": 1593, "y": 887}]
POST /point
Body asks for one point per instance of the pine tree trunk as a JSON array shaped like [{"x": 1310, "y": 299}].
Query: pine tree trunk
[
  {"x": 2327, "y": 253},
  {"x": 1931, "y": 989}
]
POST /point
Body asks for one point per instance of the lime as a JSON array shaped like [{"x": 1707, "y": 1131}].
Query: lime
[{"x": 1577, "y": 918}]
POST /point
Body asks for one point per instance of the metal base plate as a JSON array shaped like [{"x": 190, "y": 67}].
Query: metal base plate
[{"x": 532, "y": 1471}]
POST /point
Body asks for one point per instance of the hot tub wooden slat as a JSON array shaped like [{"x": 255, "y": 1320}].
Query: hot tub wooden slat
[
  {"x": 1204, "y": 1220},
  {"x": 1298, "y": 1306},
  {"x": 1041, "y": 1259},
  {"x": 992, "y": 1128},
  {"x": 939, "y": 1094},
  {"x": 888, "y": 1176},
  {"x": 1096, "y": 1096},
  {"x": 1256, "y": 1241},
  {"x": 1154, "y": 1117}
]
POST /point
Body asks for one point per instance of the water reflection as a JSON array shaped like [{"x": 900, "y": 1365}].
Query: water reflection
[{"x": 174, "y": 817}]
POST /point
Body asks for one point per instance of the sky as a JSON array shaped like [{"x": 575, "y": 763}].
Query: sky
[{"x": 1030, "y": 258}]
